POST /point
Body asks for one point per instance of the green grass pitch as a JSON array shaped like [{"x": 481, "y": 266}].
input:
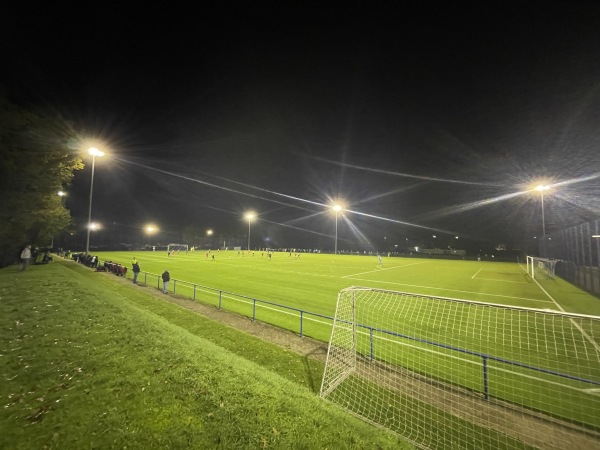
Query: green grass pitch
[{"x": 311, "y": 282}]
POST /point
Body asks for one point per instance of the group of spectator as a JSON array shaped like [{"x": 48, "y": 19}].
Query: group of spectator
[
  {"x": 86, "y": 259},
  {"x": 33, "y": 256},
  {"x": 116, "y": 268},
  {"x": 89, "y": 261}
]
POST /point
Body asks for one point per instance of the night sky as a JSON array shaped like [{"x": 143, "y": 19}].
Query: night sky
[{"x": 424, "y": 121}]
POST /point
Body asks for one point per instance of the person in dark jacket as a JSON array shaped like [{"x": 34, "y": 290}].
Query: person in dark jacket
[
  {"x": 166, "y": 278},
  {"x": 136, "y": 271}
]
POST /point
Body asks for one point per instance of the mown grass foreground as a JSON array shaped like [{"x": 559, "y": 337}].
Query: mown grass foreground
[{"x": 90, "y": 363}]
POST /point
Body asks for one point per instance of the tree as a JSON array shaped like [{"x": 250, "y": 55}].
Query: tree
[{"x": 35, "y": 163}]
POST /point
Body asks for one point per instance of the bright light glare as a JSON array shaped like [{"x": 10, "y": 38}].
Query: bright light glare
[
  {"x": 542, "y": 187},
  {"x": 95, "y": 226},
  {"x": 61, "y": 193},
  {"x": 151, "y": 229},
  {"x": 250, "y": 216},
  {"x": 337, "y": 207},
  {"x": 209, "y": 232},
  {"x": 95, "y": 152}
]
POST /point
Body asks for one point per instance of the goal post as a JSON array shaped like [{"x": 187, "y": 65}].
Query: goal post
[
  {"x": 450, "y": 373},
  {"x": 541, "y": 268},
  {"x": 177, "y": 247}
]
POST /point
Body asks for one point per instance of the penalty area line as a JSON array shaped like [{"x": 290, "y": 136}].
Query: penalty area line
[
  {"x": 575, "y": 324},
  {"x": 379, "y": 270}
]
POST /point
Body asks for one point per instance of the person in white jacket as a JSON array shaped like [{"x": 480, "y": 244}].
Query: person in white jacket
[{"x": 25, "y": 257}]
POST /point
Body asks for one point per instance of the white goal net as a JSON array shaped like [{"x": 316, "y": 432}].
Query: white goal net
[
  {"x": 446, "y": 373},
  {"x": 177, "y": 248},
  {"x": 541, "y": 268}
]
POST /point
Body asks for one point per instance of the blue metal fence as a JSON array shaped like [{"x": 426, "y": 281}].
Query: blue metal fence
[{"x": 195, "y": 289}]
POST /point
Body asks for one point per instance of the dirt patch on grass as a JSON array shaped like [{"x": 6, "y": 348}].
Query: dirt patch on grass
[{"x": 279, "y": 336}]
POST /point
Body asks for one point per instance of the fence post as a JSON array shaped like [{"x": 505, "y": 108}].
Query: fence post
[
  {"x": 486, "y": 393},
  {"x": 371, "y": 343},
  {"x": 194, "y": 293},
  {"x": 253, "y": 309},
  {"x": 145, "y": 278},
  {"x": 301, "y": 315},
  {"x": 220, "y": 299},
  {"x": 174, "y": 285},
  {"x": 158, "y": 281}
]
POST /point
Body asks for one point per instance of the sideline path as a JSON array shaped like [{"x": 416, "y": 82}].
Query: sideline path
[{"x": 284, "y": 338}]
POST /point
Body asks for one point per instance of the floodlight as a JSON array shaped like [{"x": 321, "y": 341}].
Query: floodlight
[{"x": 95, "y": 152}]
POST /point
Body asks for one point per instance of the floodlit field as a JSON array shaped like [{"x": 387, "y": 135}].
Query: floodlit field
[
  {"x": 524, "y": 355},
  {"x": 311, "y": 282}
]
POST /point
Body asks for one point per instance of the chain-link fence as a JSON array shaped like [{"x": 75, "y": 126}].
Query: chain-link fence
[{"x": 578, "y": 251}]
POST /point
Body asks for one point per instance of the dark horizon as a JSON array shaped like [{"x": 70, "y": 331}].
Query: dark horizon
[{"x": 430, "y": 122}]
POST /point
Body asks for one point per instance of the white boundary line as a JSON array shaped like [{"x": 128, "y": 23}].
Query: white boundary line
[
  {"x": 379, "y": 270},
  {"x": 581, "y": 330},
  {"x": 451, "y": 290},
  {"x": 503, "y": 281},
  {"x": 495, "y": 279},
  {"x": 476, "y": 273}
]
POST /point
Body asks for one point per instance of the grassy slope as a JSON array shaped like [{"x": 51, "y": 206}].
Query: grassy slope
[{"x": 89, "y": 363}]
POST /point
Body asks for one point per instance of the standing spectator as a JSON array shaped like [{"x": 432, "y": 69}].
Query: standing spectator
[
  {"x": 25, "y": 257},
  {"x": 136, "y": 271},
  {"x": 166, "y": 278}
]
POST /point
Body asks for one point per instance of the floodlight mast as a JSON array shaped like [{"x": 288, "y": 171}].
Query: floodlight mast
[
  {"x": 250, "y": 217},
  {"x": 541, "y": 188},
  {"x": 337, "y": 208},
  {"x": 94, "y": 152}
]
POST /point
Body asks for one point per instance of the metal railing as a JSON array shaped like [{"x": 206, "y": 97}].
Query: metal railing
[{"x": 219, "y": 296}]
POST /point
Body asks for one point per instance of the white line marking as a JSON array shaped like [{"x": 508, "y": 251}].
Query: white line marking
[
  {"x": 477, "y": 273},
  {"x": 503, "y": 281},
  {"x": 379, "y": 270},
  {"x": 451, "y": 290},
  {"x": 581, "y": 330}
]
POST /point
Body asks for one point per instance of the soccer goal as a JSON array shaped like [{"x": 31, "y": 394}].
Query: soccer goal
[
  {"x": 447, "y": 373},
  {"x": 177, "y": 248},
  {"x": 541, "y": 268}
]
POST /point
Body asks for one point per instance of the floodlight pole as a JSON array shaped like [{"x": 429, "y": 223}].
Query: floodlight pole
[
  {"x": 248, "y": 234},
  {"x": 94, "y": 152},
  {"x": 250, "y": 216},
  {"x": 336, "y": 232},
  {"x": 543, "y": 216},
  {"x": 89, "y": 228},
  {"x": 541, "y": 188}
]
